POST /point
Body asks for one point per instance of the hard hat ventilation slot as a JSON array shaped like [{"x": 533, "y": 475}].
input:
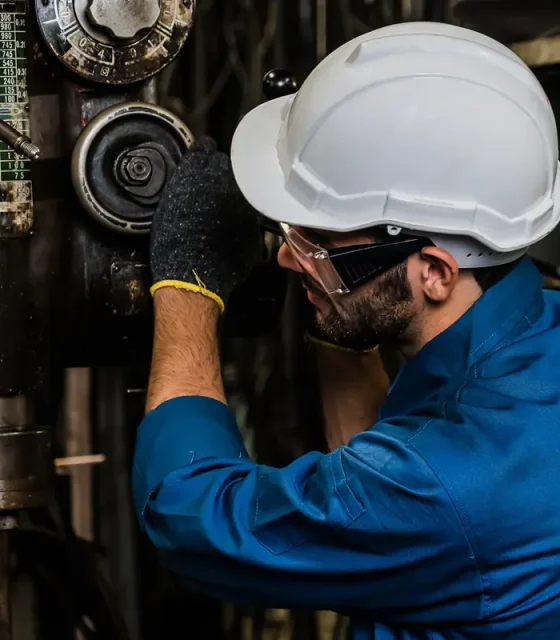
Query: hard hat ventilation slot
[{"x": 489, "y": 253}]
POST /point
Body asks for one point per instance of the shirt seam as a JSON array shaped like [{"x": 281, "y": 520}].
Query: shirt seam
[
  {"x": 351, "y": 518},
  {"x": 459, "y": 509},
  {"x": 335, "y": 484},
  {"x": 488, "y": 338},
  {"x": 505, "y": 342},
  {"x": 521, "y": 315},
  {"x": 148, "y": 496}
]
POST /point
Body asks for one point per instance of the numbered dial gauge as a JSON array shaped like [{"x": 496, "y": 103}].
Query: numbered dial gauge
[{"x": 115, "y": 43}]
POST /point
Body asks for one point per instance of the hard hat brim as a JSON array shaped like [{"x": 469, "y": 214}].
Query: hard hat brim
[
  {"x": 257, "y": 168},
  {"x": 259, "y": 174}
]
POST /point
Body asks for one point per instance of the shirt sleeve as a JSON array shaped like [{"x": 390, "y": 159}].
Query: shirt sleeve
[{"x": 367, "y": 527}]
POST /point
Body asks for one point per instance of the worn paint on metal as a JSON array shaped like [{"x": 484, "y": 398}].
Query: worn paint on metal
[
  {"x": 16, "y": 210},
  {"x": 115, "y": 63}
]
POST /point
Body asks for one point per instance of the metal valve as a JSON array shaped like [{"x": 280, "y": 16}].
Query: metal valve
[{"x": 115, "y": 42}]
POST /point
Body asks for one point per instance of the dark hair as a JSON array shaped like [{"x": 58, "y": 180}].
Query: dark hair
[{"x": 487, "y": 277}]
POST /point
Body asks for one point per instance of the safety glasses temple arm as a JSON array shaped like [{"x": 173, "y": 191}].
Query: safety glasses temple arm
[{"x": 357, "y": 264}]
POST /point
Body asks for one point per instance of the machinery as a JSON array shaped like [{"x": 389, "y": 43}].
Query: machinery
[
  {"x": 72, "y": 294},
  {"x": 87, "y": 150}
]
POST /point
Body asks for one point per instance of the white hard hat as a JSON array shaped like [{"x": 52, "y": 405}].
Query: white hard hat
[{"x": 424, "y": 127}]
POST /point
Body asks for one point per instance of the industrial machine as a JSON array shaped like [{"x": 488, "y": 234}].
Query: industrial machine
[
  {"x": 78, "y": 77},
  {"x": 88, "y": 147}
]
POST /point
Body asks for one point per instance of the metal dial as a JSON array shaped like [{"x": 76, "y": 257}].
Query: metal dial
[{"x": 113, "y": 46}]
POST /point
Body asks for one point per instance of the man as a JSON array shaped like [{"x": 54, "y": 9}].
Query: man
[{"x": 410, "y": 175}]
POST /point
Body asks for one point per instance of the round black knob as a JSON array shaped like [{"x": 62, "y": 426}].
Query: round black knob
[{"x": 278, "y": 83}]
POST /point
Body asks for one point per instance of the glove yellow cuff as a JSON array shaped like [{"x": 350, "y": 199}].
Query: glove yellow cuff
[
  {"x": 335, "y": 347},
  {"x": 188, "y": 286}
]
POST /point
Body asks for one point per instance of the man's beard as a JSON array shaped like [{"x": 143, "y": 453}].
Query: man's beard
[{"x": 378, "y": 314}]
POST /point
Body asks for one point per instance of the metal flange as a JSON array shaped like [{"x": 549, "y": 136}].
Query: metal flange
[{"x": 122, "y": 161}]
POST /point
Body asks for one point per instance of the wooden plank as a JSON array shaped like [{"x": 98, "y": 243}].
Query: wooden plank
[{"x": 542, "y": 52}]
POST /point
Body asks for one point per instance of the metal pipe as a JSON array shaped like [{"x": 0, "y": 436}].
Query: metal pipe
[
  {"x": 117, "y": 520},
  {"x": 15, "y": 411},
  {"x": 19, "y": 142}
]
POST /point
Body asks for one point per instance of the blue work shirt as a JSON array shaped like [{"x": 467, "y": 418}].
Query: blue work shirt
[{"x": 441, "y": 521}]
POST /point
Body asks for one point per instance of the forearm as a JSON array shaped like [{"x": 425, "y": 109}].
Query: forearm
[
  {"x": 185, "y": 360},
  {"x": 352, "y": 387}
]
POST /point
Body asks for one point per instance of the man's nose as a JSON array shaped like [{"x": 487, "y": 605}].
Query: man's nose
[{"x": 287, "y": 260}]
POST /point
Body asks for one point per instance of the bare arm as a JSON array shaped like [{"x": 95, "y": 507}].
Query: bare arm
[
  {"x": 185, "y": 362},
  {"x": 353, "y": 387},
  {"x": 185, "y": 359}
]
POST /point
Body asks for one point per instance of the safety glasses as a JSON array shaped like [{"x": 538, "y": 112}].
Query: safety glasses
[{"x": 341, "y": 270}]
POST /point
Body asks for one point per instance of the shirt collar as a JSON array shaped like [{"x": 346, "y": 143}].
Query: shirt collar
[{"x": 453, "y": 352}]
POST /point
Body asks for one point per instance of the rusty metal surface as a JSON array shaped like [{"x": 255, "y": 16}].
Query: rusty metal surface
[
  {"x": 103, "y": 301},
  {"x": 110, "y": 62},
  {"x": 16, "y": 209},
  {"x": 26, "y": 468}
]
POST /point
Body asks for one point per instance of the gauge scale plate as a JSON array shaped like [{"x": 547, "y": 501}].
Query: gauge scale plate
[
  {"x": 16, "y": 201},
  {"x": 109, "y": 63}
]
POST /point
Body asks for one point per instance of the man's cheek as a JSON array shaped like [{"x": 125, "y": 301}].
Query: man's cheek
[{"x": 323, "y": 308}]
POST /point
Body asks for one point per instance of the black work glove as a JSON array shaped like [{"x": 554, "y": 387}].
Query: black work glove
[{"x": 205, "y": 235}]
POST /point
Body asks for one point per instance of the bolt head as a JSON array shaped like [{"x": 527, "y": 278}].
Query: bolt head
[
  {"x": 137, "y": 169},
  {"x": 142, "y": 171}
]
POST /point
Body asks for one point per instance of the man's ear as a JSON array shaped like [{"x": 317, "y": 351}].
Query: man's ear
[{"x": 439, "y": 274}]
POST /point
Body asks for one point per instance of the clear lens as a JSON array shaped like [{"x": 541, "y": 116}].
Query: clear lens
[{"x": 314, "y": 260}]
